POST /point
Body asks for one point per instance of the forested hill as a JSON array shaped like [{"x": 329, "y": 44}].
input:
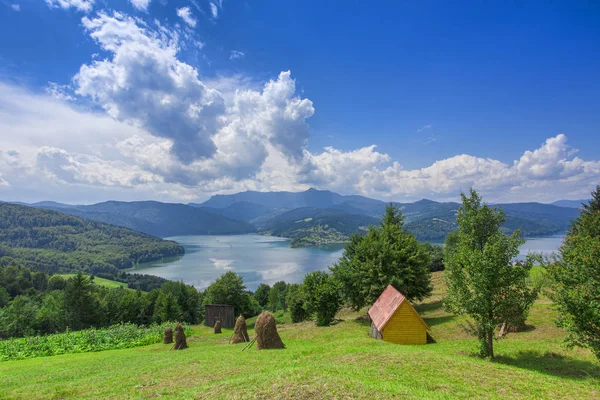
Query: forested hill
[
  {"x": 310, "y": 225},
  {"x": 287, "y": 214},
  {"x": 155, "y": 218},
  {"x": 55, "y": 242}
]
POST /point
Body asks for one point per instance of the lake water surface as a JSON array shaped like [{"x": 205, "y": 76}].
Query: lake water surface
[{"x": 263, "y": 259}]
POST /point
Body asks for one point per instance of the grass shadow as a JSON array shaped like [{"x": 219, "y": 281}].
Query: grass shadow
[
  {"x": 552, "y": 364},
  {"x": 363, "y": 320},
  {"x": 427, "y": 307},
  {"x": 433, "y": 321}
]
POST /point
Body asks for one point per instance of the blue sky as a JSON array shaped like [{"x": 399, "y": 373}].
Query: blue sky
[{"x": 451, "y": 95}]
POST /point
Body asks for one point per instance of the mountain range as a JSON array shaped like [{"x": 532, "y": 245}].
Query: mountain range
[{"x": 309, "y": 217}]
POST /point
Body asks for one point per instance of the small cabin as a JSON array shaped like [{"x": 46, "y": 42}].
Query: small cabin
[
  {"x": 219, "y": 312},
  {"x": 393, "y": 319}
]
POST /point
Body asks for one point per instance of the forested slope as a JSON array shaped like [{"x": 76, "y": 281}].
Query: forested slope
[{"x": 55, "y": 242}]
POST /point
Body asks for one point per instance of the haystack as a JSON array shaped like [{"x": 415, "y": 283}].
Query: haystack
[
  {"x": 168, "y": 336},
  {"x": 240, "y": 331},
  {"x": 266, "y": 332},
  {"x": 180, "y": 342},
  {"x": 218, "y": 327}
]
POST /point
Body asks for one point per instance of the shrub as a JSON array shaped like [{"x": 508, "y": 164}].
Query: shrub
[{"x": 322, "y": 296}]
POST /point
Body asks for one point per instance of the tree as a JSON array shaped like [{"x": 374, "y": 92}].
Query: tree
[
  {"x": 56, "y": 282},
  {"x": 385, "y": 255},
  {"x": 262, "y": 294},
  {"x": 4, "y": 297},
  {"x": 166, "y": 308},
  {"x": 81, "y": 307},
  {"x": 229, "y": 289},
  {"x": 436, "y": 254},
  {"x": 483, "y": 280},
  {"x": 277, "y": 296},
  {"x": 296, "y": 301},
  {"x": 576, "y": 277},
  {"x": 322, "y": 296}
]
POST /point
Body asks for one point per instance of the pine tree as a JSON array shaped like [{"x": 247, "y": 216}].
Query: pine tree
[
  {"x": 385, "y": 255},
  {"x": 81, "y": 307}
]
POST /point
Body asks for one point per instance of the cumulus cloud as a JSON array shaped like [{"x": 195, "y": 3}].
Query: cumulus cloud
[
  {"x": 79, "y": 5},
  {"x": 186, "y": 15},
  {"x": 15, "y": 7},
  {"x": 162, "y": 131},
  {"x": 145, "y": 83},
  {"x": 141, "y": 5}
]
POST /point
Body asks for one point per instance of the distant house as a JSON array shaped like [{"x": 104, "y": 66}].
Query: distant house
[
  {"x": 395, "y": 320},
  {"x": 219, "y": 312}
]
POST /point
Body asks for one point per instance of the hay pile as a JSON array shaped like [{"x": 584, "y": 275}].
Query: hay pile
[
  {"x": 168, "y": 336},
  {"x": 218, "y": 327},
  {"x": 240, "y": 331},
  {"x": 266, "y": 332},
  {"x": 180, "y": 342}
]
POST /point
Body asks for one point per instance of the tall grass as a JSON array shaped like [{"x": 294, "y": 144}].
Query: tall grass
[{"x": 121, "y": 336}]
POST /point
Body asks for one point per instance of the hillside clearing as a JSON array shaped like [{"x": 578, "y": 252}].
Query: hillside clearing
[
  {"x": 334, "y": 362},
  {"x": 101, "y": 282}
]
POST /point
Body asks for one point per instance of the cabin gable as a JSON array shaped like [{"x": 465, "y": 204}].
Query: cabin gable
[{"x": 405, "y": 327}]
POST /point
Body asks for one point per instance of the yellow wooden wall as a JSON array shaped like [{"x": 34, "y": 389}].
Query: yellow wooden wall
[{"x": 404, "y": 327}]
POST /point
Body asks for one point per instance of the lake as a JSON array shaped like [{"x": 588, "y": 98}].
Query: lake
[{"x": 263, "y": 259}]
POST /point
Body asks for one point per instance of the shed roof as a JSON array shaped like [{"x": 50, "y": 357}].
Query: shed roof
[{"x": 385, "y": 306}]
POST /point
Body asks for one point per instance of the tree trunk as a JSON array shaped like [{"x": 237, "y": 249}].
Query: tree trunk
[{"x": 490, "y": 343}]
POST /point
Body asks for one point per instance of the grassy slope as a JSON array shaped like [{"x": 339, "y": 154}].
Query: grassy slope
[
  {"x": 334, "y": 362},
  {"x": 101, "y": 281}
]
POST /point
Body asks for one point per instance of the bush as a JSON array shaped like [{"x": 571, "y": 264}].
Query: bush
[
  {"x": 322, "y": 296},
  {"x": 296, "y": 301}
]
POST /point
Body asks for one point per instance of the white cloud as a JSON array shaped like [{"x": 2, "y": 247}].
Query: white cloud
[
  {"x": 15, "y": 7},
  {"x": 186, "y": 15},
  {"x": 80, "y": 5},
  {"x": 141, "y": 5},
  {"x": 168, "y": 134},
  {"x": 59, "y": 92},
  {"x": 214, "y": 10},
  {"x": 144, "y": 83},
  {"x": 236, "y": 54},
  {"x": 421, "y": 129}
]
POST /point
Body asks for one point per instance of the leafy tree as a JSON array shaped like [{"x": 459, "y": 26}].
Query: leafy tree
[
  {"x": 229, "y": 289},
  {"x": 262, "y": 294},
  {"x": 56, "y": 282},
  {"x": 385, "y": 255},
  {"x": 111, "y": 305},
  {"x": 436, "y": 254},
  {"x": 51, "y": 316},
  {"x": 296, "y": 301},
  {"x": 18, "y": 319},
  {"x": 450, "y": 243},
  {"x": 483, "y": 280},
  {"x": 4, "y": 297},
  {"x": 322, "y": 296},
  {"x": 132, "y": 306},
  {"x": 576, "y": 276},
  {"x": 277, "y": 296}
]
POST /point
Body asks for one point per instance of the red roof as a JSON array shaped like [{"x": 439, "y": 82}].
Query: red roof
[{"x": 386, "y": 305}]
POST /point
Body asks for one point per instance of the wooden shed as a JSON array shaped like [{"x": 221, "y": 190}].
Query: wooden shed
[
  {"x": 219, "y": 312},
  {"x": 394, "y": 319}
]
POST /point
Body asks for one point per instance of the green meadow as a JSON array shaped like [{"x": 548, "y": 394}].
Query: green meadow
[{"x": 339, "y": 362}]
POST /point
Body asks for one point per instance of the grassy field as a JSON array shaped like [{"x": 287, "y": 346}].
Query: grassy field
[
  {"x": 335, "y": 362},
  {"x": 101, "y": 281}
]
